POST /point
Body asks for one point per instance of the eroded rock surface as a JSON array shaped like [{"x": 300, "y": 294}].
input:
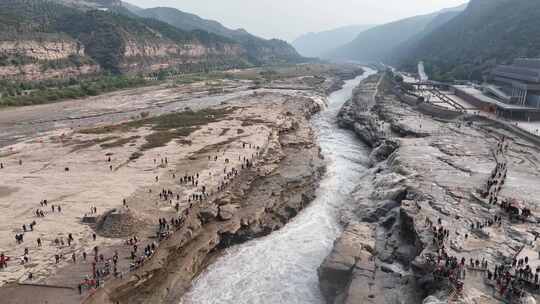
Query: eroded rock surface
[
  {"x": 351, "y": 256},
  {"x": 260, "y": 200},
  {"x": 428, "y": 170}
]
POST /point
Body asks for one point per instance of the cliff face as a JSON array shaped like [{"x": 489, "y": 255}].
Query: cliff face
[
  {"x": 39, "y": 59},
  {"x": 35, "y": 72},
  {"x": 196, "y": 51},
  {"x": 61, "y": 37},
  {"x": 158, "y": 55},
  {"x": 41, "y": 50}
]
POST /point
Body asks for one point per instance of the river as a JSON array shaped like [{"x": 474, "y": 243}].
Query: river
[{"x": 282, "y": 267}]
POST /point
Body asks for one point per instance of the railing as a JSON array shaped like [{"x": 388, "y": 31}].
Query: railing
[{"x": 497, "y": 92}]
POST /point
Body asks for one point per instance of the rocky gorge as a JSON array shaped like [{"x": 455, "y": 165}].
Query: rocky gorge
[
  {"x": 211, "y": 133},
  {"x": 427, "y": 173},
  {"x": 259, "y": 203},
  {"x": 282, "y": 266}
]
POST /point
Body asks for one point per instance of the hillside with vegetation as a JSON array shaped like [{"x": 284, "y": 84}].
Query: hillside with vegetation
[
  {"x": 115, "y": 42},
  {"x": 259, "y": 50},
  {"x": 119, "y": 43},
  {"x": 378, "y": 43},
  {"x": 387, "y": 42},
  {"x": 487, "y": 33},
  {"x": 405, "y": 49},
  {"x": 186, "y": 21},
  {"x": 51, "y": 50}
]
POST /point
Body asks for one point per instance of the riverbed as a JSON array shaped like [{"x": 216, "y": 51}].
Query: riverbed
[{"x": 282, "y": 267}]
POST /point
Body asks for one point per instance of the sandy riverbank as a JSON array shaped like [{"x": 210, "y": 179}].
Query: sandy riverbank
[{"x": 82, "y": 166}]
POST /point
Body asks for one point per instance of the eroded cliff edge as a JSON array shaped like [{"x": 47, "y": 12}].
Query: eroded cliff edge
[{"x": 426, "y": 170}]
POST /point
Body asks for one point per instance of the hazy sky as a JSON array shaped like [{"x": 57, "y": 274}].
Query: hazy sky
[{"x": 287, "y": 19}]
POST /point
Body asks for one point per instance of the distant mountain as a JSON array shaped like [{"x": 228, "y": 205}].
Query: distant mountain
[
  {"x": 258, "y": 49},
  {"x": 487, "y": 33},
  {"x": 405, "y": 49},
  {"x": 382, "y": 43},
  {"x": 317, "y": 44}
]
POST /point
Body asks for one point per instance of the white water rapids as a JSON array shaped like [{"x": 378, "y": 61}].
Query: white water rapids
[{"x": 282, "y": 267}]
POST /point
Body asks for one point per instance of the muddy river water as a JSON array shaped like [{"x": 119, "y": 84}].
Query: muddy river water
[{"x": 282, "y": 267}]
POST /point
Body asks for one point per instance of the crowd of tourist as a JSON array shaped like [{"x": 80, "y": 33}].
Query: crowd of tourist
[
  {"x": 514, "y": 276},
  {"x": 104, "y": 266}
]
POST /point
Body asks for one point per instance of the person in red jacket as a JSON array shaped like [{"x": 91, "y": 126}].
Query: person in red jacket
[{"x": 3, "y": 260}]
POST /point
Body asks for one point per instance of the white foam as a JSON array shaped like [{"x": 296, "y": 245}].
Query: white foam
[{"x": 282, "y": 267}]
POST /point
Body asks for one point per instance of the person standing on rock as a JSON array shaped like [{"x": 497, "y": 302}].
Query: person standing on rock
[
  {"x": 96, "y": 251},
  {"x": 3, "y": 261},
  {"x": 94, "y": 272}
]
